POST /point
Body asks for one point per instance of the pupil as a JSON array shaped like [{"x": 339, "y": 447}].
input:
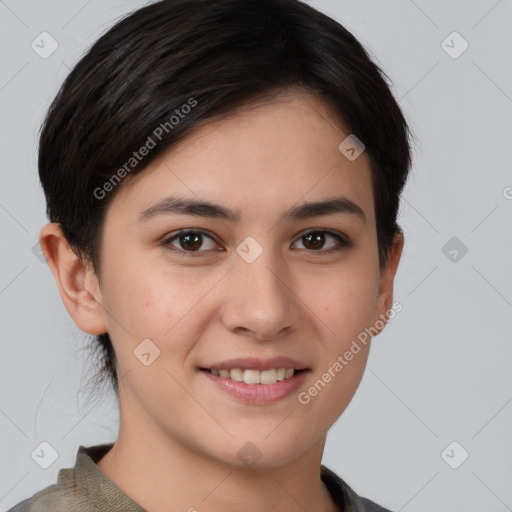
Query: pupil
[
  {"x": 315, "y": 238},
  {"x": 192, "y": 245}
]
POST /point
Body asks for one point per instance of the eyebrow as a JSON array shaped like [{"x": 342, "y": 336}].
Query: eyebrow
[{"x": 179, "y": 206}]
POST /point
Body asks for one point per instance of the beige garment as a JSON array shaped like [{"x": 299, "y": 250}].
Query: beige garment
[{"x": 85, "y": 488}]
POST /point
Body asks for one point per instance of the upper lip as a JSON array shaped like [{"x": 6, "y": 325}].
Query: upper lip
[{"x": 253, "y": 363}]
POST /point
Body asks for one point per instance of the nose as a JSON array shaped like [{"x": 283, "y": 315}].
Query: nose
[{"x": 259, "y": 299}]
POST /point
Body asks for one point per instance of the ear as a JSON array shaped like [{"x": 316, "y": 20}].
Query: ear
[
  {"x": 78, "y": 285},
  {"x": 387, "y": 277}
]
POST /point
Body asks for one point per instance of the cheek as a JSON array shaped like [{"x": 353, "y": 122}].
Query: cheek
[
  {"x": 145, "y": 300},
  {"x": 348, "y": 311},
  {"x": 347, "y": 302},
  {"x": 133, "y": 299},
  {"x": 349, "y": 305}
]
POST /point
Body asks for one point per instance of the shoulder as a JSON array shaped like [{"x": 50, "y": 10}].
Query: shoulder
[
  {"x": 370, "y": 506},
  {"x": 82, "y": 488},
  {"x": 345, "y": 497},
  {"x": 61, "y": 496}
]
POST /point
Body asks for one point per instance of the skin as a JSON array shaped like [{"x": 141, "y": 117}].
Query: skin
[{"x": 294, "y": 300}]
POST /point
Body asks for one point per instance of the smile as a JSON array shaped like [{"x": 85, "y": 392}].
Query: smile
[
  {"x": 256, "y": 386},
  {"x": 249, "y": 376}
]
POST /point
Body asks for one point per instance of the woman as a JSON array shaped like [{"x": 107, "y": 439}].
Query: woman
[{"x": 222, "y": 181}]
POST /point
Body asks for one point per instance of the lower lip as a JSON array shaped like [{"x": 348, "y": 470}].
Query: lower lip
[{"x": 258, "y": 393}]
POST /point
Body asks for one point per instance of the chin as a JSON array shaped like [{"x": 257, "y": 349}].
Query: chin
[{"x": 260, "y": 453}]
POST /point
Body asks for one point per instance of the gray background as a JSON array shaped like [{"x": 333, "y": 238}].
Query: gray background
[{"x": 442, "y": 369}]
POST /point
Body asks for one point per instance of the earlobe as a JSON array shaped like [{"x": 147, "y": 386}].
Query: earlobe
[
  {"x": 76, "y": 281},
  {"x": 387, "y": 277}
]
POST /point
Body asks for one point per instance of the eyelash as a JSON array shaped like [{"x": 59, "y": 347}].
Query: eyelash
[{"x": 344, "y": 242}]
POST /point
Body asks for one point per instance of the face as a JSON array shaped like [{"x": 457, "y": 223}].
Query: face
[{"x": 272, "y": 280}]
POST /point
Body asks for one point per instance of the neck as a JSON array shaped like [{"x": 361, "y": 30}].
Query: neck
[{"x": 164, "y": 473}]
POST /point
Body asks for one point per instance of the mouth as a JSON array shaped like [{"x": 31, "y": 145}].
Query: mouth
[
  {"x": 252, "y": 376},
  {"x": 253, "y": 386},
  {"x": 255, "y": 380}
]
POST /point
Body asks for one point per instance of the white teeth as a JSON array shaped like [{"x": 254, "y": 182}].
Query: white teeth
[
  {"x": 256, "y": 376},
  {"x": 252, "y": 376},
  {"x": 237, "y": 374},
  {"x": 269, "y": 376}
]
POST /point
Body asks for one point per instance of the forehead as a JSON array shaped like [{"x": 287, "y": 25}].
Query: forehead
[{"x": 264, "y": 156}]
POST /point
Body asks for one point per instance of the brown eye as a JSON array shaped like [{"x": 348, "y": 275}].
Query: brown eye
[
  {"x": 315, "y": 241},
  {"x": 189, "y": 241}
]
